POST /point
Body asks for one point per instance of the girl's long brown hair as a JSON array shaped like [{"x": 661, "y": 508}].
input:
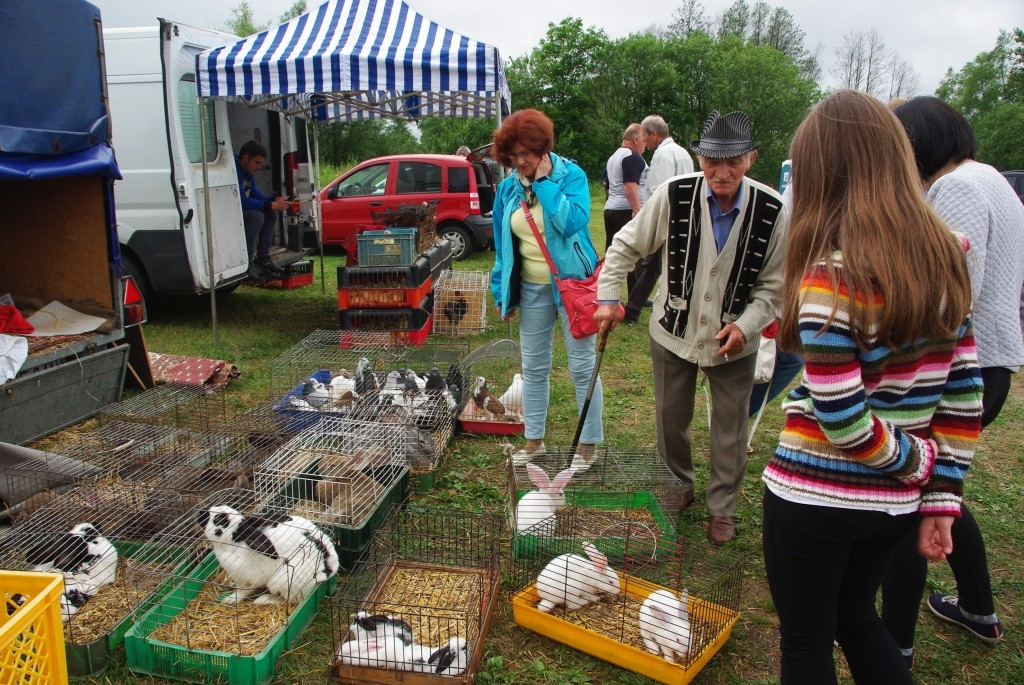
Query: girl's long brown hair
[{"x": 857, "y": 189}]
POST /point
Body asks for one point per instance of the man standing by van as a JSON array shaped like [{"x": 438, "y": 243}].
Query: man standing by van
[{"x": 259, "y": 212}]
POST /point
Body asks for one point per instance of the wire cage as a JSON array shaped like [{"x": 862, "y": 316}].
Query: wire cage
[
  {"x": 435, "y": 575},
  {"x": 171, "y": 404},
  {"x": 460, "y": 303},
  {"x": 321, "y": 376},
  {"x": 113, "y": 453},
  {"x": 421, "y": 216},
  {"x": 588, "y": 589},
  {"x": 342, "y": 474},
  {"x": 499, "y": 364},
  {"x": 622, "y": 485},
  {"x": 236, "y": 587},
  {"x": 87, "y": 535}
]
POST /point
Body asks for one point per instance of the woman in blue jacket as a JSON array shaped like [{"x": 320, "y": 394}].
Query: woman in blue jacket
[{"x": 557, "y": 193}]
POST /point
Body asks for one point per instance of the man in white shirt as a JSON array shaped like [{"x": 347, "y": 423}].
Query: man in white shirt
[{"x": 670, "y": 159}]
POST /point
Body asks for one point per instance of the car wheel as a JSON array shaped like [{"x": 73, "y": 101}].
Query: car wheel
[{"x": 462, "y": 243}]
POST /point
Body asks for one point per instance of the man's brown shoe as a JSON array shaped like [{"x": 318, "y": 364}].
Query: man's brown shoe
[{"x": 721, "y": 529}]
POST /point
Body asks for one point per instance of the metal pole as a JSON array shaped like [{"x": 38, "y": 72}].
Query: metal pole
[
  {"x": 317, "y": 223},
  {"x": 208, "y": 222},
  {"x": 601, "y": 341}
]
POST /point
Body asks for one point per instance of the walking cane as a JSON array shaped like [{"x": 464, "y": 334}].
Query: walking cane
[{"x": 601, "y": 341}]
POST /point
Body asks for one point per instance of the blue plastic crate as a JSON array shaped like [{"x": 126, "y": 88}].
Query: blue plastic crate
[{"x": 389, "y": 247}]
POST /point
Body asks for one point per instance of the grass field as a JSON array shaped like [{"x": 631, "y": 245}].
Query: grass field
[{"x": 256, "y": 325}]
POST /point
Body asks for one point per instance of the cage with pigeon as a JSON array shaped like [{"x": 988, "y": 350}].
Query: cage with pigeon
[
  {"x": 113, "y": 453},
  {"x": 246, "y": 582},
  {"x": 627, "y": 597},
  {"x": 460, "y": 303},
  {"x": 320, "y": 377},
  {"x": 493, "y": 402},
  {"x": 343, "y": 474},
  {"x": 87, "y": 535},
  {"x": 623, "y": 484},
  {"x": 418, "y": 606},
  {"x": 421, "y": 393}
]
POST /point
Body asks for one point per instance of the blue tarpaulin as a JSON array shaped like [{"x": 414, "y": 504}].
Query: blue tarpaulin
[{"x": 53, "y": 117}]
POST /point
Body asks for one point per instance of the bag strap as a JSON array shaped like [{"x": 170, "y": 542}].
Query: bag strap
[{"x": 537, "y": 235}]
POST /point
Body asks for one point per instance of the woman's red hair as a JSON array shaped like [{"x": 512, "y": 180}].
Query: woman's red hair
[{"x": 530, "y": 128}]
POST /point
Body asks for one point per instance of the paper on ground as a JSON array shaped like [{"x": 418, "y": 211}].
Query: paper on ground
[{"x": 57, "y": 319}]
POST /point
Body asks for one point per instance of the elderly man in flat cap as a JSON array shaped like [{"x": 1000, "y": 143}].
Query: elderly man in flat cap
[{"x": 724, "y": 243}]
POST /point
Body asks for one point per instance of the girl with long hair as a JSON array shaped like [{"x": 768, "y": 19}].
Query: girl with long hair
[{"x": 879, "y": 436}]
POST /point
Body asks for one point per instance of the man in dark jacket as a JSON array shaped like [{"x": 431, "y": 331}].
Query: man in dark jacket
[{"x": 259, "y": 212}]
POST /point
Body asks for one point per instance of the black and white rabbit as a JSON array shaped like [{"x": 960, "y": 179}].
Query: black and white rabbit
[
  {"x": 287, "y": 555},
  {"x": 448, "y": 659},
  {"x": 378, "y": 640},
  {"x": 85, "y": 558}
]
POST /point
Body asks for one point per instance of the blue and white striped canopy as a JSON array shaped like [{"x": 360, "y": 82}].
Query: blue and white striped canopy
[{"x": 359, "y": 59}]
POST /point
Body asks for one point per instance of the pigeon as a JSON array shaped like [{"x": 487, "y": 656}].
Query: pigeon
[
  {"x": 435, "y": 381},
  {"x": 513, "y": 397},
  {"x": 315, "y": 393},
  {"x": 483, "y": 398},
  {"x": 365, "y": 380},
  {"x": 455, "y": 310},
  {"x": 455, "y": 381}
]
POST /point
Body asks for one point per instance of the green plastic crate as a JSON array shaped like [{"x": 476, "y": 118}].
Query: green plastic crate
[
  {"x": 525, "y": 545},
  {"x": 162, "y": 659},
  {"x": 90, "y": 658}
]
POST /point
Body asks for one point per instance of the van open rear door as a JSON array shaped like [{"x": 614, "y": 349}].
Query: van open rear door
[{"x": 179, "y": 46}]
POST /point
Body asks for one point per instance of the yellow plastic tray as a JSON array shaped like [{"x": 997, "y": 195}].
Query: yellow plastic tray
[{"x": 607, "y": 649}]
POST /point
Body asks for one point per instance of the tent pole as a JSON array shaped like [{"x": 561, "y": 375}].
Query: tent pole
[
  {"x": 316, "y": 202},
  {"x": 208, "y": 222}
]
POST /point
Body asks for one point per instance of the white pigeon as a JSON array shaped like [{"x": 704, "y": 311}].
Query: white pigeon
[{"x": 513, "y": 397}]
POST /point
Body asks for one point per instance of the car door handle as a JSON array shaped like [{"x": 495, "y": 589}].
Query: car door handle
[{"x": 376, "y": 203}]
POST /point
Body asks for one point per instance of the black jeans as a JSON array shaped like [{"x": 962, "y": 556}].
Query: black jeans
[
  {"x": 824, "y": 566},
  {"x": 615, "y": 219}
]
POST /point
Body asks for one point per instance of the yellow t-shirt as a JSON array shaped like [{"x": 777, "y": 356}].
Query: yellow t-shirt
[{"x": 535, "y": 267}]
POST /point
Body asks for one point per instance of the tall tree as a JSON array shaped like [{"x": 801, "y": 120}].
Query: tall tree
[
  {"x": 242, "y": 22},
  {"x": 689, "y": 18},
  {"x": 903, "y": 80},
  {"x": 297, "y": 9},
  {"x": 863, "y": 62},
  {"x": 735, "y": 20}
]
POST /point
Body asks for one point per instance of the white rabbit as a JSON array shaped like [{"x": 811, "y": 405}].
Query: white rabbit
[
  {"x": 366, "y": 627},
  {"x": 380, "y": 652},
  {"x": 85, "y": 558},
  {"x": 449, "y": 659},
  {"x": 288, "y": 555},
  {"x": 665, "y": 625},
  {"x": 540, "y": 505},
  {"x": 576, "y": 581}
]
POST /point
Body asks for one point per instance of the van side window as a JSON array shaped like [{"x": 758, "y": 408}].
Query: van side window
[
  {"x": 188, "y": 113},
  {"x": 458, "y": 179}
]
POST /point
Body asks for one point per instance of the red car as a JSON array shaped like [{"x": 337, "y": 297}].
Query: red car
[{"x": 463, "y": 187}]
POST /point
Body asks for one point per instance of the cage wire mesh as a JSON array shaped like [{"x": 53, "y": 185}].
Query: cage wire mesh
[
  {"x": 171, "y": 404},
  {"x": 623, "y": 484},
  {"x": 230, "y": 579},
  {"x": 460, "y": 303},
  {"x": 427, "y": 587},
  {"x": 113, "y": 453},
  {"x": 325, "y": 374},
  {"x": 335, "y": 473},
  {"x": 493, "y": 372},
  {"x": 87, "y": 535},
  {"x": 586, "y": 582},
  {"x": 421, "y": 216}
]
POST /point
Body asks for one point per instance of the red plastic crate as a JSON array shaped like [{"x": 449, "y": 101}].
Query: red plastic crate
[
  {"x": 374, "y": 297},
  {"x": 296, "y": 275}
]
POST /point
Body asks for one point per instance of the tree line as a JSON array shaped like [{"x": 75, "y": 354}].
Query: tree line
[{"x": 750, "y": 57}]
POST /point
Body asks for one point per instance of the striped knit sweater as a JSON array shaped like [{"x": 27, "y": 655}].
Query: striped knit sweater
[{"x": 880, "y": 430}]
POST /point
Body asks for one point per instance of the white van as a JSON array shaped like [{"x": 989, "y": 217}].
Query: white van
[{"x": 161, "y": 210}]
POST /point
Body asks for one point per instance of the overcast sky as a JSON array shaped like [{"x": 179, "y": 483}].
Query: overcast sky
[{"x": 933, "y": 35}]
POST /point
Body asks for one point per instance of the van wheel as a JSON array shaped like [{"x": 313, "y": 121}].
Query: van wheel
[
  {"x": 130, "y": 267},
  {"x": 462, "y": 243}
]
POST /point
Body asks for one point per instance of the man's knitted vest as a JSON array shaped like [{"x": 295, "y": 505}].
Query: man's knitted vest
[{"x": 684, "y": 233}]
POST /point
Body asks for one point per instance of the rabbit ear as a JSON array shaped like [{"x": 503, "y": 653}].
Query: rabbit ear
[
  {"x": 600, "y": 560},
  {"x": 561, "y": 480},
  {"x": 538, "y": 476}
]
